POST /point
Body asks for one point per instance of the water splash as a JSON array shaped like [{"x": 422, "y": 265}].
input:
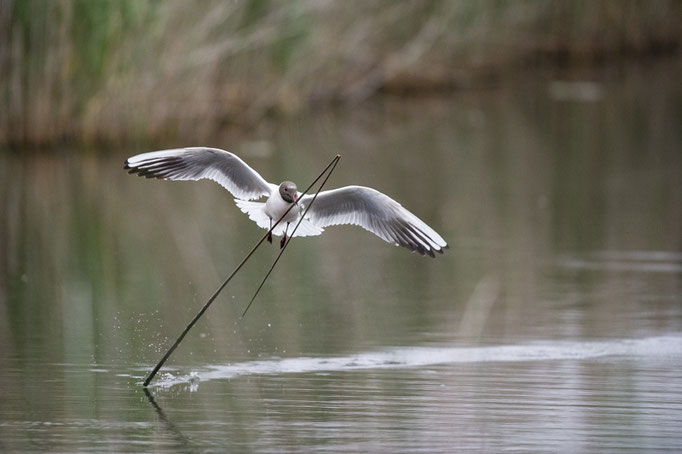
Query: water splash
[{"x": 408, "y": 357}]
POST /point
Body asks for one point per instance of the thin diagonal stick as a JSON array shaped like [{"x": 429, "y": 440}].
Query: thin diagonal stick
[
  {"x": 290, "y": 237},
  {"x": 158, "y": 366}
]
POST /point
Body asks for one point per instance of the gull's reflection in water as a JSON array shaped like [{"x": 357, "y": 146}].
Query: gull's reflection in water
[{"x": 181, "y": 441}]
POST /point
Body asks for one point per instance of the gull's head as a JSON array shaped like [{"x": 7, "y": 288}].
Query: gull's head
[{"x": 288, "y": 191}]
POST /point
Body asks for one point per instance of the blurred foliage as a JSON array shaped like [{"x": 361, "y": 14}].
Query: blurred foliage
[{"x": 120, "y": 69}]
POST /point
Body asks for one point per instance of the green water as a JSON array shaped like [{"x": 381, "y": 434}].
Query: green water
[{"x": 553, "y": 322}]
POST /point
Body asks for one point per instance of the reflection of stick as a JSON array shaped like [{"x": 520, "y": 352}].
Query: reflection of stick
[
  {"x": 184, "y": 441},
  {"x": 151, "y": 375},
  {"x": 291, "y": 236},
  {"x": 478, "y": 308}
]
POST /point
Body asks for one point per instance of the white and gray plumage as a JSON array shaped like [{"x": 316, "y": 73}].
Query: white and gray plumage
[{"x": 356, "y": 205}]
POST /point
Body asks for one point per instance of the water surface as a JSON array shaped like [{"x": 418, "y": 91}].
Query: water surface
[{"x": 553, "y": 322}]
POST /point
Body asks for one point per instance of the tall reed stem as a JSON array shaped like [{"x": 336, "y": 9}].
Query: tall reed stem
[
  {"x": 170, "y": 351},
  {"x": 281, "y": 251}
]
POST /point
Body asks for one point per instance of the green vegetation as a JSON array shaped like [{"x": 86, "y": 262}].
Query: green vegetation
[{"x": 115, "y": 70}]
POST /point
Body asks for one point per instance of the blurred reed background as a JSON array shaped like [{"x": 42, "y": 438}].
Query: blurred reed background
[{"x": 120, "y": 70}]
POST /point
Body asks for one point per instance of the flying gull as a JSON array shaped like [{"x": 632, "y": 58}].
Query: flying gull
[{"x": 356, "y": 205}]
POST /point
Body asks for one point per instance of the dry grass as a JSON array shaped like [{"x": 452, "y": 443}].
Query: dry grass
[{"x": 125, "y": 69}]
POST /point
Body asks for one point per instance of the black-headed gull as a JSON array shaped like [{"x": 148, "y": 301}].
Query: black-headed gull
[{"x": 356, "y": 205}]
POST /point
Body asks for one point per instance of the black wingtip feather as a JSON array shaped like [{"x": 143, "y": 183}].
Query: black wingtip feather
[
  {"x": 412, "y": 238},
  {"x": 156, "y": 168}
]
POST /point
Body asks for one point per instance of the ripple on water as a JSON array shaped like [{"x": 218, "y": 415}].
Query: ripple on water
[{"x": 408, "y": 357}]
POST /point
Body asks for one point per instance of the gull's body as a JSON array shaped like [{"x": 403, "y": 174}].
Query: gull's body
[
  {"x": 276, "y": 207},
  {"x": 357, "y": 205}
]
